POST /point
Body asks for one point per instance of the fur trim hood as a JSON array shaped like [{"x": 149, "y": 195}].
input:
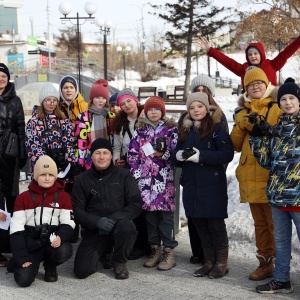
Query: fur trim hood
[
  {"x": 214, "y": 111},
  {"x": 271, "y": 92},
  {"x": 143, "y": 120}
]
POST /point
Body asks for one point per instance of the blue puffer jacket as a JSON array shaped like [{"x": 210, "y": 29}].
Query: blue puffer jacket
[
  {"x": 280, "y": 153},
  {"x": 204, "y": 183}
]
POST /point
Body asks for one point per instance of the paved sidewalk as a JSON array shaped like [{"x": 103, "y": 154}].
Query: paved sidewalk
[{"x": 145, "y": 283}]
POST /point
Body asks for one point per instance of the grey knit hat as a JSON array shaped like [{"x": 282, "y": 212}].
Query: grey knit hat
[
  {"x": 203, "y": 80},
  {"x": 48, "y": 90},
  {"x": 126, "y": 93},
  {"x": 200, "y": 97}
]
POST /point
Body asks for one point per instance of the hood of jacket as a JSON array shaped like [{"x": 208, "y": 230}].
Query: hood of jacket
[
  {"x": 143, "y": 120},
  {"x": 271, "y": 92},
  {"x": 260, "y": 48},
  {"x": 214, "y": 111}
]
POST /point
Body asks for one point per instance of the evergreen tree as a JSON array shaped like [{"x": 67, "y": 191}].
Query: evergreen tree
[{"x": 190, "y": 18}]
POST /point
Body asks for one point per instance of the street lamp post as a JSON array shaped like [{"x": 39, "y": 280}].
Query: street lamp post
[
  {"x": 124, "y": 53},
  {"x": 65, "y": 8},
  {"x": 105, "y": 27}
]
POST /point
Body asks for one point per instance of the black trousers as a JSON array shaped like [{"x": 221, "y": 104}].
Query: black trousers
[
  {"x": 195, "y": 240},
  {"x": 212, "y": 232},
  {"x": 141, "y": 242},
  {"x": 24, "y": 277},
  {"x": 93, "y": 246}
]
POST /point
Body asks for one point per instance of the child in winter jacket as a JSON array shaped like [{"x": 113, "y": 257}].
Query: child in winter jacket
[
  {"x": 41, "y": 226},
  {"x": 93, "y": 123},
  {"x": 48, "y": 132},
  {"x": 71, "y": 102},
  {"x": 149, "y": 159},
  {"x": 203, "y": 148},
  {"x": 279, "y": 151},
  {"x": 255, "y": 56},
  {"x": 259, "y": 98}
]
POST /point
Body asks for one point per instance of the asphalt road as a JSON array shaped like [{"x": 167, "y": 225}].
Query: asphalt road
[{"x": 145, "y": 283}]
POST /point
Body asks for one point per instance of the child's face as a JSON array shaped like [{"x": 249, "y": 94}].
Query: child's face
[
  {"x": 154, "y": 114},
  {"x": 197, "y": 110},
  {"x": 99, "y": 101},
  {"x": 46, "y": 180},
  {"x": 50, "y": 104},
  {"x": 254, "y": 57},
  {"x": 256, "y": 89},
  {"x": 68, "y": 91},
  {"x": 115, "y": 109},
  {"x": 290, "y": 104}
]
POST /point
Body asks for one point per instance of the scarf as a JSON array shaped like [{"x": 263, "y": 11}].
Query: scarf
[{"x": 98, "y": 122}]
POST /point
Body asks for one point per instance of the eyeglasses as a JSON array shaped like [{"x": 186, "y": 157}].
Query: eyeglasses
[
  {"x": 256, "y": 83},
  {"x": 153, "y": 110},
  {"x": 51, "y": 101}
]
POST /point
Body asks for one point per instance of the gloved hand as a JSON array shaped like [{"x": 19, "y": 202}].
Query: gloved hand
[
  {"x": 194, "y": 158},
  {"x": 179, "y": 156},
  {"x": 245, "y": 125},
  {"x": 105, "y": 225}
]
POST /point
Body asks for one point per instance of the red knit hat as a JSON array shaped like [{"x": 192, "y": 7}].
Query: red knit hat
[
  {"x": 155, "y": 102},
  {"x": 99, "y": 89}
]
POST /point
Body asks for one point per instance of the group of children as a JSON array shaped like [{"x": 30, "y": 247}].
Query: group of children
[{"x": 265, "y": 131}]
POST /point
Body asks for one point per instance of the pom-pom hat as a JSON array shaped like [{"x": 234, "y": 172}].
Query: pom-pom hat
[
  {"x": 155, "y": 102},
  {"x": 289, "y": 87},
  {"x": 99, "y": 89}
]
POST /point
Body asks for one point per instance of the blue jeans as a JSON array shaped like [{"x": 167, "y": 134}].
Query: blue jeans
[{"x": 283, "y": 241}]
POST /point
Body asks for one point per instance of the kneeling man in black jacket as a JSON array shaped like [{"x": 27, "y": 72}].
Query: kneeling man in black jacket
[{"x": 105, "y": 200}]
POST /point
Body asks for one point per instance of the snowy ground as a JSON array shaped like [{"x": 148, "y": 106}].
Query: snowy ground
[{"x": 239, "y": 224}]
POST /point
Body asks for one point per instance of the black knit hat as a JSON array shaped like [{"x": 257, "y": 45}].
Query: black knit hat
[
  {"x": 4, "y": 69},
  {"x": 101, "y": 143},
  {"x": 289, "y": 87}
]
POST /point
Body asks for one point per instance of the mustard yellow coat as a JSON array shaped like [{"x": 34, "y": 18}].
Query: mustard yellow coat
[
  {"x": 77, "y": 107},
  {"x": 251, "y": 176}
]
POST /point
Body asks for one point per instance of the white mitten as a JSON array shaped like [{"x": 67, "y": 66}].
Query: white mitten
[
  {"x": 179, "y": 156},
  {"x": 194, "y": 158}
]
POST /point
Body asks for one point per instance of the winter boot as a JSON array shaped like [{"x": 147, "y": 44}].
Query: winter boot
[
  {"x": 50, "y": 272},
  {"x": 168, "y": 260},
  {"x": 154, "y": 257},
  {"x": 265, "y": 268},
  {"x": 209, "y": 255},
  {"x": 220, "y": 268}
]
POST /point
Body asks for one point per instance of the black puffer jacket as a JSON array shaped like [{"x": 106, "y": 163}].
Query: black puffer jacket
[{"x": 11, "y": 116}]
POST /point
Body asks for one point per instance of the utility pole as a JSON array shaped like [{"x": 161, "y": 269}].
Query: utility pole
[
  {"x": 49, "y": 48},
  {"x": 31, "y": 22}
]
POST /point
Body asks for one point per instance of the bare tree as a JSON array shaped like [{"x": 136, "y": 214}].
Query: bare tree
[{"x": 190, "y": 18}]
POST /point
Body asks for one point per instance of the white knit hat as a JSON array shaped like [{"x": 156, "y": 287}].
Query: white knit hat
[
  {"x": 48, "y": 90},
  {"x": 203, "y": 80},
  {"x": 44, "y": 165}
]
